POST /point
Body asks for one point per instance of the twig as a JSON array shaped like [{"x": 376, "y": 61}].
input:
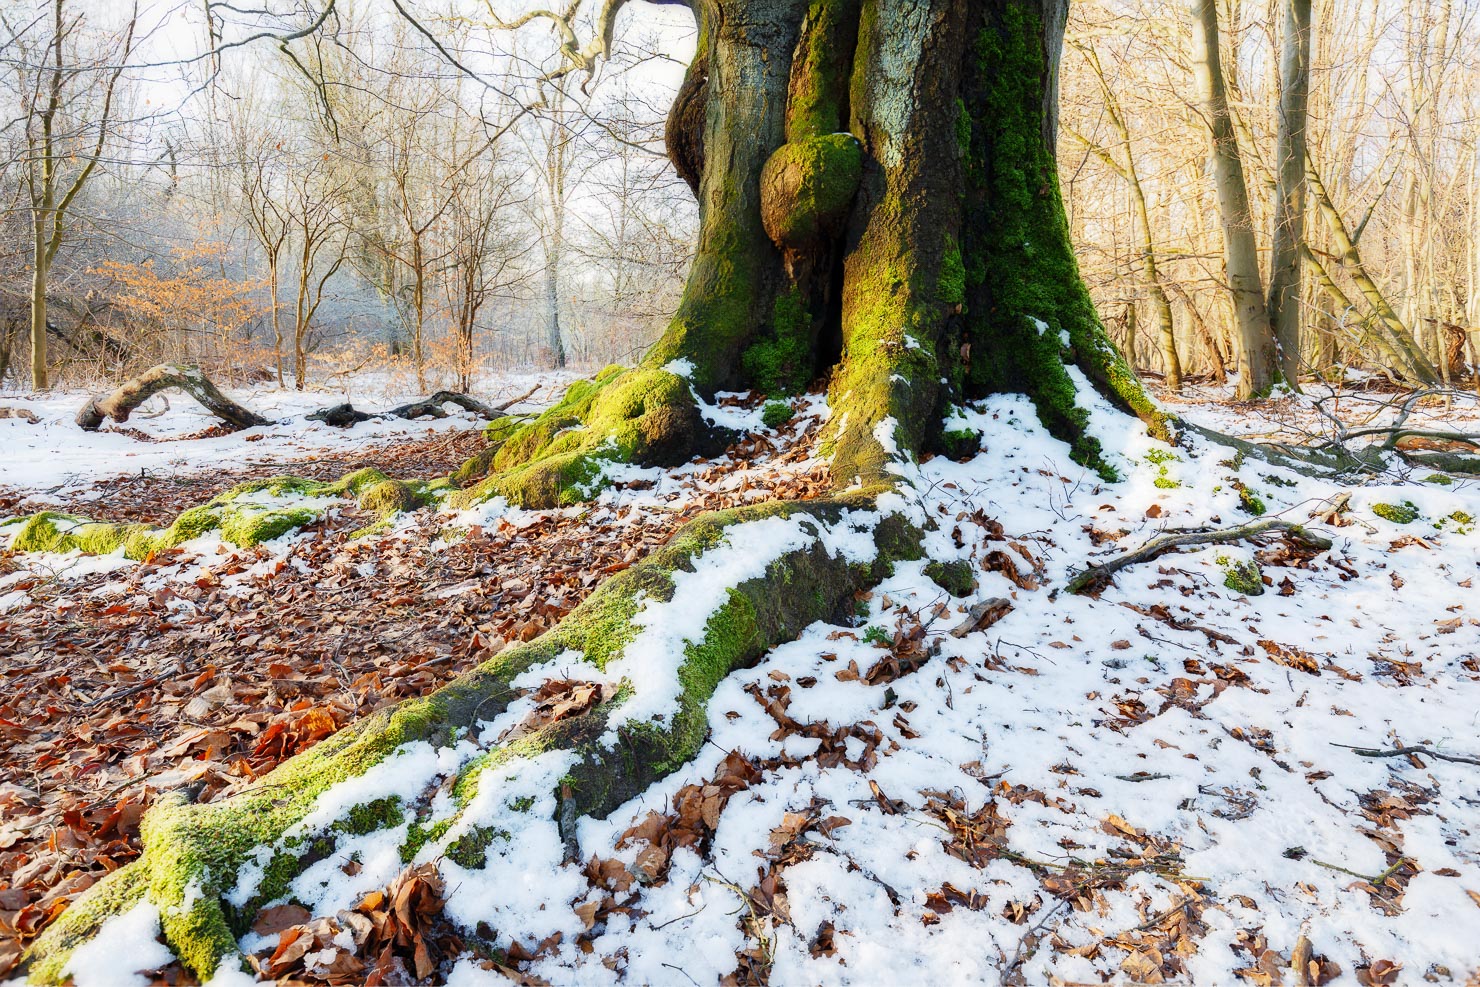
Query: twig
[
  {"x": 1097, "y": 575},
  {"x": 1374, "y": 881},
  {"x": 1401, "y": 751},
  {"x": 982, "y": 615}
]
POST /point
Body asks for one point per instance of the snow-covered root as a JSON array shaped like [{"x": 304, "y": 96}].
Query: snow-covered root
[{"x": 424, "y": 779}]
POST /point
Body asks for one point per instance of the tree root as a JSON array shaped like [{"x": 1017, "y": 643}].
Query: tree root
[
  {"x": 246, "y": 515},
  {"x": 210, "y": 868},
  {"x": 1098, "y": 575}
]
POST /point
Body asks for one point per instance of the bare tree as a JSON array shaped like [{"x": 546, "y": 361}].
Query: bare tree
[
  {"x": 1127, "y": 170},
  {"x": 321, "y": 244},
  {"x": 68, "y": 81}
]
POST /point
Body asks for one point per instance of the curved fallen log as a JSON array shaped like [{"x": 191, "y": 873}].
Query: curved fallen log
[
  {"x": 190, "y": 379},
  {"x": 1097, "y": 575},
  {"x": 126, "y": 399}
]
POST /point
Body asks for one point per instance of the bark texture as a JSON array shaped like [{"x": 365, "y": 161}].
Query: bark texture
[
  {"x": 1256, "y": 357},
  {"x": 1290, "y": 154}
]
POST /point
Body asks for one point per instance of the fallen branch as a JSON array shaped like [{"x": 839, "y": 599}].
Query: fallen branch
[
  {"x": 345, "y": 415},
  {"x": 128, "y": 397},
  {"x": 122, "y": 402},
  {"x": 982, "y": 615},
  {"x": 1403, "y": 751},
  {"x": 1098, "y": 575},
  {"x": 24, "y": 413},
  {"x": 1376, "y": 880}
]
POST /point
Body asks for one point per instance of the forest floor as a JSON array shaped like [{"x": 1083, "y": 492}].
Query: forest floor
[{"x": 1162, "y": 783}]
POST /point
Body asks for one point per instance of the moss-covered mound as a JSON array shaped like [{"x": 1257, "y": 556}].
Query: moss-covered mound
[
  {"x": 245, "y": 515},
  {"x": 646, "y": 416}
]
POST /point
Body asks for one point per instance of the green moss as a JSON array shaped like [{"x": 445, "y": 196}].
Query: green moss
[
  {"x": 371, "y": 816},
  {"x": 1250, "y": 502},
  {"x": 1241, "y": 575},
  {"x": 470, "y": 850},
  {"x": 807, "y": 188},
  {"x": 779, "y": 360},
  {"x": 960, "y": 443},
  {"x": 244, "y": 515},
  {"x": 1023, "y": 288},
  {"x": 1161, "y": 459},
  {"x": 1438, "y": 478},
  {"x": 1462, "y": 521},
  {"x": 645, "y": 416},
  {"x": 956, "y": 578},
  {"x": 777, "y": 413},
  {"x": 113, "y": 895},
  {"x": 818, "y": 101},
  {"x": 952, "y": 287},
  {"x": 1403, "y": 513},
  {"x": 473, "y": 469}
]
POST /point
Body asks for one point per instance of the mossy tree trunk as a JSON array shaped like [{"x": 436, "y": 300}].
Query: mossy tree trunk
[{"x": 880, "y": 211}]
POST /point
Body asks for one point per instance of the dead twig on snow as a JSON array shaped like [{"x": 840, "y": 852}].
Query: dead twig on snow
[{"x": 1097, "y": 575}]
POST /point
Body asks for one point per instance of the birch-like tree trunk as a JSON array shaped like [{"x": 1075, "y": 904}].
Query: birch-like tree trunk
[
  {"x": 1290, "y": 154},
  {"x": 1256, "y": 356}
]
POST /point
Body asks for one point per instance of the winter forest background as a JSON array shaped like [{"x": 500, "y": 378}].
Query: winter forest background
[{"x": 415, "y": 218}]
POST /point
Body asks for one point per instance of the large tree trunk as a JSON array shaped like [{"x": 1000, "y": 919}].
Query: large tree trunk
[
  {"x": 1290, "y": 154},
  {"x": 880, "y": 210},
  {"x": 1256, "y": 357}
]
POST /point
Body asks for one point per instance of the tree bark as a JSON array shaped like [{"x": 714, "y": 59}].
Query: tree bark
[
  {"x": 1256, "y": 358},
  {"x": 1290, "y": 155},
  {"x": 39, "y": 270}
]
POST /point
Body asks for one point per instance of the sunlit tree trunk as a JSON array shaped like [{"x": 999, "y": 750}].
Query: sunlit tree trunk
[
  {"x": 1290, "y": 154},
  {"x": 1256, "y": 354}
]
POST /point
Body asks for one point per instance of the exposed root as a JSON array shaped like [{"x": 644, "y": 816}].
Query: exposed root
[
  {"x": 209, "y": 868},
  {"x": 246, "y": 515},
  {"x": 644, "y": 417}
]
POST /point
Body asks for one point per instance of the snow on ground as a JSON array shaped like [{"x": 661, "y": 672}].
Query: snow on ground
[
  {"x": 54, "y": 454},
  {"x": 1160, "y": 783},
  {"x": 1307, "y": 417}
]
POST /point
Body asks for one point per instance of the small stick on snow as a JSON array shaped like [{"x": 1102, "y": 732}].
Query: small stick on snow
[
  {"x": 1402, "y": 751},
  {"x": 1098, "y": 575}
]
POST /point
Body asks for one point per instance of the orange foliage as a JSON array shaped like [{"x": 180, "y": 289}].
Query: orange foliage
[{"x": 196, "y": 296}]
